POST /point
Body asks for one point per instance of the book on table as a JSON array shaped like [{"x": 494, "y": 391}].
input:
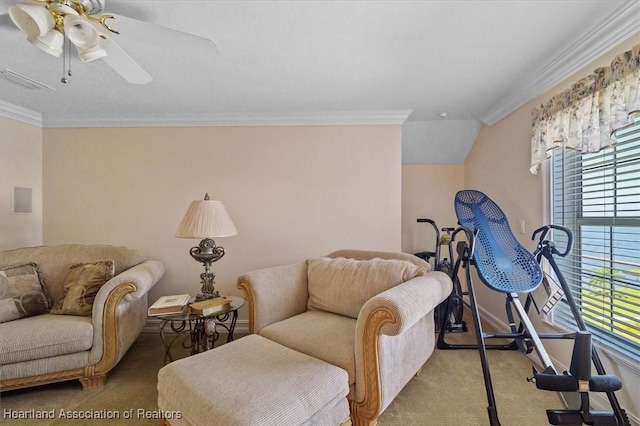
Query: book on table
[
  {"x": 174, "y": 304},
  {"x": 210, "y": 306}
]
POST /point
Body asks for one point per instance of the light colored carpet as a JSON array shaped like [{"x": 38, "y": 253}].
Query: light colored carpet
[{"x": 450, "y": 391}]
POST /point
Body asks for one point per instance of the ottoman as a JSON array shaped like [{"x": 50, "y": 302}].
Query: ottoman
[{"x": 253, "y": 381}]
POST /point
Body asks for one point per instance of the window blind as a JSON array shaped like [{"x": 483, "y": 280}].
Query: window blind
[{"x": 597, "y": 196}]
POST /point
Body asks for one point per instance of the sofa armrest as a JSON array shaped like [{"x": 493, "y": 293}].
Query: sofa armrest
[
  {"x": 143, "y": 276},
  {"x": 390, "y": 313},
  {"x": 120, "y": 312},
  {"x": 410, "y": 301},
  {"x": 275, "y": 293}
]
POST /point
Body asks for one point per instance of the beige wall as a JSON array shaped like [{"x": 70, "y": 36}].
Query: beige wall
[
  {"x": 498, "y": 165},
  {"x": 20, "y": 166},
  {"x": 428, "y": 191},
  {"x": 293, "y": 192}
]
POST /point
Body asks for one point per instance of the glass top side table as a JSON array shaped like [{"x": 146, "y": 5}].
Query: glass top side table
[{"x": 199, "y": 333}]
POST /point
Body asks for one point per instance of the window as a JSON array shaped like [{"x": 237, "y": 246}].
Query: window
[{"x": 597, "y": 196}]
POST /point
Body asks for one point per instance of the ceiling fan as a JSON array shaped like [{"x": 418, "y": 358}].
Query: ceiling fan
[{"x": 48, "y": 22}]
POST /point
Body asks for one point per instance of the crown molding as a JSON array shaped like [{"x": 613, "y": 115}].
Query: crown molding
[
  {"x": 19, "y": 113},
  {"x": 613, "y": 30},
  {"x": 338, "y": 118}
]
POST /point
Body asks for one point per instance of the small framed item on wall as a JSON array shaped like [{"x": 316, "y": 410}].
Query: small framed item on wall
[{"x": 22, "y": 200}]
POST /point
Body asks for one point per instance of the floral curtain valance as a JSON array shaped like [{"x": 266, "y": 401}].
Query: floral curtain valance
[{"x": 586, "y": 116}]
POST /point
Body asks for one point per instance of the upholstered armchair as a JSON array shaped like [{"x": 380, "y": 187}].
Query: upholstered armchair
[{"x": 368, "y": 312}]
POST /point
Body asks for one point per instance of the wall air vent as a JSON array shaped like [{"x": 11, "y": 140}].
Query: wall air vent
[{"x": 23, "y": 80}]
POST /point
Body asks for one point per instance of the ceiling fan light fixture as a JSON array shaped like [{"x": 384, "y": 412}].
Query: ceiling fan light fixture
[
  {"x": 32, "y": 19},
  {"x": 85, "y": 37},
  {"x": 92, "y": 7},
  {"x": 88, "y": 55},
  {"x": 50, "y": 43}
]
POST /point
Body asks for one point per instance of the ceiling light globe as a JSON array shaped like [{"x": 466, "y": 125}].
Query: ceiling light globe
[
  {"x": 50, "y": 43},
  {"x": 92, "y": 54},
  {"x": 85, "y": 37},
  {"x": 33, "y": 19},
  {"x": 80, "y": 31}
]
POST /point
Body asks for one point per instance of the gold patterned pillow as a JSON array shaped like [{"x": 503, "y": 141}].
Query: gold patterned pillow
[
  {"x": 81, "y": 286},
  {"x": 22, "y": 293}
]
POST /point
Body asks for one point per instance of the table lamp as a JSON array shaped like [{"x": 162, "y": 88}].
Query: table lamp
[{"x": 206, "y": 219}]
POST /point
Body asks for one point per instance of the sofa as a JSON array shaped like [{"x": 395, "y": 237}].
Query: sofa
[
  {"x": 70, "y": 311},
  {"x": 370, "y": 313}
]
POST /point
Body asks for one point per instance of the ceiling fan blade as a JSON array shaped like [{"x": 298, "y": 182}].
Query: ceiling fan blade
[
  {"x": 159, "y": 35},
  {"x": 122, "y": 63}
]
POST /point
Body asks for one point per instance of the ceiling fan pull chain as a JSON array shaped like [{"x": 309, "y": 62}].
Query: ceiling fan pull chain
[
  {"x": 69, "y": 58},
  {"x": 66, "y": 57},
  {"x": 64, "y": 60}
]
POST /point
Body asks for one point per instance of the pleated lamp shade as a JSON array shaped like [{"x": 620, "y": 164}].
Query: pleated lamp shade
[{"x": 205, "y": 219}]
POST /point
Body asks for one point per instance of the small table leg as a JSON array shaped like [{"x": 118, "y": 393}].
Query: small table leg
[
  {"x": 231, "y": 327},
  {"x": 202, "y": 332},
  {"x": 167, "y": 344}
]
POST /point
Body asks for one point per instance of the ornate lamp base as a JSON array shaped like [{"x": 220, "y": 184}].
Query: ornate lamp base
[
  {"x": 206, "y": 253},
  {"x": 208, "y": 290}
]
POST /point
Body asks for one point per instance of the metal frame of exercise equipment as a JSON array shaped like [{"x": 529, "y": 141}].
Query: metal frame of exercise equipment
[
  {"x": 454, "y": 322},
  {"x": 505, "y": 266}
]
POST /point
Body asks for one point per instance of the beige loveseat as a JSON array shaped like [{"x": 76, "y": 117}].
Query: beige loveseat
[
  {"x": 367, "y": 312},
  {"x": 83, "y": 340}
]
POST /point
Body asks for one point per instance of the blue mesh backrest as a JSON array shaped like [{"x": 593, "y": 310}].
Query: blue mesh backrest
[{"x": 503, "y": 263}]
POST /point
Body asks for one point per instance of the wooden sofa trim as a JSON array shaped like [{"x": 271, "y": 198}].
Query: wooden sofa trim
[
  {"x": 110, "y": 341},
  {"x": 93, "y": 375},
  {"x": 366, "y": 412},
  {"x": 244, "y": 286}
]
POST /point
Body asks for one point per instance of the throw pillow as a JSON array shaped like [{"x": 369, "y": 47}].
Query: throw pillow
[
  {"x": 343, "y": 286},
  {"x": 81, "y": 286},
  {"x": 22, "y": 293}
]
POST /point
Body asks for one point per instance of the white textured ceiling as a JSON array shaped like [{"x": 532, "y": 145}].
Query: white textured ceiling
[{"x": 282, "y": 61}]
